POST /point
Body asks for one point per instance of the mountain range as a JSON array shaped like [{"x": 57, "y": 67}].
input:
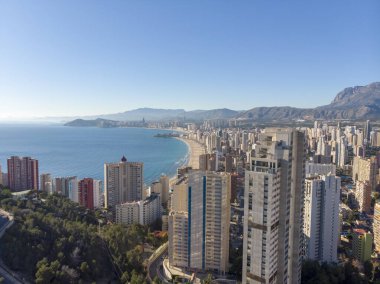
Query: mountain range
[{"x": 353, "y": 103}]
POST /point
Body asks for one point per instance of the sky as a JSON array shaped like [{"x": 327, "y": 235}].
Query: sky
[{"x": 69, "y": 57}]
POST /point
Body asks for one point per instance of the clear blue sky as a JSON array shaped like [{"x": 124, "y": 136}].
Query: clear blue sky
[{"x": 74, "y": 57}]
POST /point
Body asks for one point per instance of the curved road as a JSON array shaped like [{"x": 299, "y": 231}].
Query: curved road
[
  {"x": 9, "y": 276},
  {"x": 155, "y": 265}
]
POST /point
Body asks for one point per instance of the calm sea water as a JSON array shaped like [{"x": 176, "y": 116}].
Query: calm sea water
[{"x": 68, "y": 151}]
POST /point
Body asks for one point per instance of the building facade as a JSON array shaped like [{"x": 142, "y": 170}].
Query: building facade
[
  {"x": 199, "y": 222},
  {"x": 376, "y": 226},
  {"x": 313, "y": 169},
  {"x": 143, "y": 212},
  {"x": 321, "y": 218},
  {"x": 362, "y": 244},
  {"x": 274, "y": 191},
  {"x": 22, "y": 173},
  {"x": 363, "y": 196},
  {"x": 98, "y": 194},
  {"x": 86, "y": 193},
  {"x": 45, "y": 182},
  {"x": 365, "y": 170},
  {"x": 66, "y": 186},
  {"x": 123, "y": 182}
]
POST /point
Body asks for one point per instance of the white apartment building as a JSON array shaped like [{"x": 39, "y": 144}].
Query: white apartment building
[
  {"x": 321, "y": 218},
  {"x": 143, "y": 212}
]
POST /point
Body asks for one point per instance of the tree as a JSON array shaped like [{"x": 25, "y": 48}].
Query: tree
[
  {"x": 156, "y": 280},
  {"x": 44, "y": 274},
  {"x": 208, "y": 280}
]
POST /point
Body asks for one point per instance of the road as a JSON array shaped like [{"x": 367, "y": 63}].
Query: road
[
  {"x": 156, "y": 263},
  {"x": 8, "y": 278},
  {"x": 6, "y": 220}
]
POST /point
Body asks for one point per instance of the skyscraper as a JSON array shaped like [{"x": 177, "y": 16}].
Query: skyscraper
[
  {"x": 273, "y": 208},
  {"x": 22, "y": 173},
  {"x": 321, "y": 219},
  {"x": 376, "y": 226},
  {"x": 123, "y": 182},
  {"x": 86, "y": 193},
  {"x": 199, "y": 222}
]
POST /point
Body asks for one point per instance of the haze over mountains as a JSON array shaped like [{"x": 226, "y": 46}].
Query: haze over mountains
[{"x": 359, "y": 102}]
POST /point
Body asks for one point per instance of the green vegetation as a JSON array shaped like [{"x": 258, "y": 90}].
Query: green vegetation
[
  {"x": 236, "y": 260},
  {"x": 315, "y": 273},
  {"x": 58, "y": 241}
]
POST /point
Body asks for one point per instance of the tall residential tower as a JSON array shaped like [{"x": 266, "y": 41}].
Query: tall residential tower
[
  {"x": 273, "y": 208},
  {"x": 199, "y": 222},
  {"x": 123, "y": 182},
  {"x": 22, "y": 173}
]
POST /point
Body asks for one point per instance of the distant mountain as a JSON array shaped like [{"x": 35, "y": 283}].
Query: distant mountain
[
  {"x": 359, "y": 102},
  {"x": 222, "y": 113},
  {"x": 275, "y": 113},
  {"x": 151, "y": 114}
]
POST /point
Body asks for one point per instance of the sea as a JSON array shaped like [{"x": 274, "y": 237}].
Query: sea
[{"x": 82, "y": 151}]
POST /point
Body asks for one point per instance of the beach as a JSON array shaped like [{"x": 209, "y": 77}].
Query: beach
[{"x": 195, "y": 150}]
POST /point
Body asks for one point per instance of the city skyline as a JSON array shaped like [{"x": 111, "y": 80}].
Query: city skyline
[{"x": 58, "y": 57}]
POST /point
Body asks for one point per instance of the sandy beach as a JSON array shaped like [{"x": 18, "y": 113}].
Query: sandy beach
[{"x": 195, "y": 149}]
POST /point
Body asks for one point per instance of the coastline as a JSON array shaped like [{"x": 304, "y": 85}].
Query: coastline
[
  {"x": 195, "y": 150},
  {"x": 192, "y": 158}
]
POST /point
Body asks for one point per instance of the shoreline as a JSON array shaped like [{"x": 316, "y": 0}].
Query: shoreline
[
  {"x": 192, "y": 157},
  {"x": 195, "y": 149}
]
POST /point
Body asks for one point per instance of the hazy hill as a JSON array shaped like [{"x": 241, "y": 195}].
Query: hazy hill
[
  {"x": 151, "y": 114},
  {"x": 146, "y": 113}
]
